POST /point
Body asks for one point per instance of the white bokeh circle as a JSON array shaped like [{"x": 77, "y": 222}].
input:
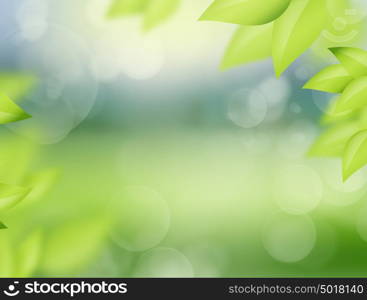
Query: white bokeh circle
[
  {"x": 163, "y": 263},
  {"x": 247, "y": 108},
  {"x": 66, "y": 86},
  {"x": 142, "y": 218},
  {"x": 289, "y": 238},
  {"x": 297, "y": 189}
]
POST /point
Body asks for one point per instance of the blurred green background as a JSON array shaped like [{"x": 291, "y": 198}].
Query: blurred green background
[{"x": 145, "y": 160}]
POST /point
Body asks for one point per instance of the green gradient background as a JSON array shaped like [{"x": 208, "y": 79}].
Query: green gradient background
[{"x": 160, "y": 181}]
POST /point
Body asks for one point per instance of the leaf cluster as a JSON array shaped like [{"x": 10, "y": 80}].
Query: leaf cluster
[
  {"x": 346, "y": 136},
  {"x": 281, "y": 29}
]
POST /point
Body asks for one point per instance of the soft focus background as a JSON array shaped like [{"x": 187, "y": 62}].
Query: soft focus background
[{"x": 146, "y": 160}]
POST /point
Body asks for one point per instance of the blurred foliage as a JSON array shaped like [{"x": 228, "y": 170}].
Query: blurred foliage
[
  {"x": 74, "y": 244},
  {"x": 154, "y": 12},
  {"x": 14, "y": 158},
  {"x": 11, "y": 195},
  {"x": 28, "y": 255},
  {"x": 16, "y": 85},
  {"x": 23, "y": 184},
  {"x": 13, "y": 87}
]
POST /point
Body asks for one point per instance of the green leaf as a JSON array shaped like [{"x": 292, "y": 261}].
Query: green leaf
[
  {"x": 354, "y": 96},
  {"x": 353, "y": 59},
  {"x": 120, "y": 8},
  {"x": 3, "y": 226},
  {"x": 332, "y": 79},
  {"x": 10, "y": 195},
  {"x": 296, "y": 30},
  {"x": 332, "y": 142},
  {"x": 16, "y": 85},
  {"x": 28, "y": 255},
  {"x": 249, "y": 44},
  {"x": 245, "y": 12},
  {"x": 332, "y": 116},
  {"x": 355, "y": 154},
  {"x": 158, "y": 11},
  {"x": 10, "y": 112}
]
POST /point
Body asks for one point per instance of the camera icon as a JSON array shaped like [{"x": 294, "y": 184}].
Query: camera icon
[{"x": 12, "y": 291}]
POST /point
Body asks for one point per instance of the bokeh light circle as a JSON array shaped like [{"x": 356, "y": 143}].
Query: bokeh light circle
[
  {"x": 136, "y": 55},
  {"x": 143, "y": 58},
  {"x": 247, "y": 108},
  {"x": 336, "y": 191},
  {"x": 163, "y": 263},
  {"x": 295, "y": 108},
  {"x": 323, "y": 100},
  {"x": 277, "y": 92},
  {"x": 333, "y": 177},
  {"x": 297, "y": 188},
  {"x": 207, "y": 259},
  {"x": 296, "y": 139},
  {"x": 142, "y": 218},
  {"x": 32, "y": 19},
  {"x": 66, "y": 87},
  {"x": 303, "y": 73},
  {"x": 289, "y": 238}
]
